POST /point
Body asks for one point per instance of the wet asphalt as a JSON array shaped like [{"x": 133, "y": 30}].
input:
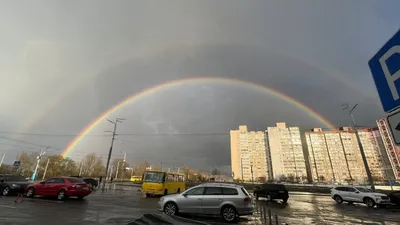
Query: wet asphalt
[{"x": 121, "y": 205}]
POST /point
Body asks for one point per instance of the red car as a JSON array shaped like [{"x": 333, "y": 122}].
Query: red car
[{"x": 60, "y": 187}]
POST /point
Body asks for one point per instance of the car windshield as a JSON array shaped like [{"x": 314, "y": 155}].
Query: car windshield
[
  {"x": 154, "y": 177},
  {"x": 75, "y": 180},
  {"x": 364, "y": 190},
  {"x": 15, "y": 178}
]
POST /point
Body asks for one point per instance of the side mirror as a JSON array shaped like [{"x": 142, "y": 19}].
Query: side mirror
[
  {"x": 184, "y": 195},
  {"x": 357, "y": 192}
]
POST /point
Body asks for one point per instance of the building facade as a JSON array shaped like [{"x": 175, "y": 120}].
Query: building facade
[
  {"x": 248, "y": 154},
  {"x": 392, "y": 151},
  {"x": 285, "y": 153},
  {"x": 334, "y": 156}
]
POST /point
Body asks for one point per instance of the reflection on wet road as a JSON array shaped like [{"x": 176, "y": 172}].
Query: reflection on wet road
[{"x": 122, "y": 205}]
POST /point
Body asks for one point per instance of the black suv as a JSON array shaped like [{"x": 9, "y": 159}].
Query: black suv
[
  {"x": 12, "y": 184},
  {"x": 89, "y": 180},
  {"x": 272, "y": 191}
]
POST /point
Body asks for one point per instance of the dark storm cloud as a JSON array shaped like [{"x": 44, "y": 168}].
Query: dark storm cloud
[{"x": 67, "y": 62}]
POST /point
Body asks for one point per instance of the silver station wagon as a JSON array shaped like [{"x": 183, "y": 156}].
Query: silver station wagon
[{"x": 227, "y": 200}]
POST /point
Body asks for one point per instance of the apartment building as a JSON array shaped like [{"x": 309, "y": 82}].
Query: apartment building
[
  {"x": 248, "y": 154},
  {"x": 392, "y": 150},
  {"x": 375, "y": 154},
  {"x": 334, "y": 156},
  {"x": 285, "y": 153}
]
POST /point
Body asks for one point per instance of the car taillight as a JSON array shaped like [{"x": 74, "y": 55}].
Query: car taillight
[{"x": 247, "y": 199}]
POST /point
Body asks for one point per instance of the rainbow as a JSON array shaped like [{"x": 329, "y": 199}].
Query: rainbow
[{"x": 174, "y": 83}]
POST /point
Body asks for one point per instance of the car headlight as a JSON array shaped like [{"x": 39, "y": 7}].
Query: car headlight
[
  {"x": 161, "y": 199},
  {"x": 15, "y": 186}
]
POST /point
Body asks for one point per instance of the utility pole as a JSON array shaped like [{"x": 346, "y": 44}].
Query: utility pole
[
  {"x": 123, "y": 166},
  {"x": 371, "y": 181},
  {"x": 80, "y": 169},
  {"x": 45, "y": 170},
  {"x": 241, "y": 168},
  {"x": 2, "y": 159},
  {"x": 252, "y": 178},
  {"x": 42, "y": 152},
  {"x": 117, "y": 120},
  {"x": 117, "y": 170}
]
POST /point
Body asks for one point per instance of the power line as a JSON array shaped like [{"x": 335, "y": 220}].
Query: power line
[{"x": 55, "y": 135}]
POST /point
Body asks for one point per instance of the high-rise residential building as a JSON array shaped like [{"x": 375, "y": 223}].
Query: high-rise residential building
[
  {"x": 285, "y": 152},
  {"x": 248, "y": 155},
  {"x": 375, "y": 153},
  {"x": 392, "y": 150},
  {"x": 334, "y": 156}
]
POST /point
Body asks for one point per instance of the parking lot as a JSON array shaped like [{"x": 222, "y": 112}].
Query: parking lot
[{"x": 123, "y": 204}]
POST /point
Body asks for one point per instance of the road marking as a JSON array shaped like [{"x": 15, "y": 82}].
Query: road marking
[{"x": 7, "y": 206}]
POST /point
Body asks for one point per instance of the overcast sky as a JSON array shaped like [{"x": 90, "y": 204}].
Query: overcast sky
[{"x": 63, "y": 63}]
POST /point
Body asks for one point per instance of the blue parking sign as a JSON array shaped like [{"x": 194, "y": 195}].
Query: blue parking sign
[{"x": 385, "y": 69}]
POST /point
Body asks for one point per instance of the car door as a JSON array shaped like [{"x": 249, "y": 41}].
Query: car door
[
  {"x": 54, "y": 187},
  {"x": 353, "y": 194},
  {"x": 43, "y": 187},
  {"x": 212, "y": 200},
  {"x": 192, "y": 200}
]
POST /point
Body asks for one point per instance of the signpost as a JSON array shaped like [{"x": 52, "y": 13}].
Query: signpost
[
  {"x": 385, "y": 69},
  {"x": 394, "y": 125},
  {"x": 17, "y": 163}
]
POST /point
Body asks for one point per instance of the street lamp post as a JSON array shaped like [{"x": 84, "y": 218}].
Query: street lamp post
[
  {"x": 42, "y": 152},
  {"x": 117, "y": 120},
  {"x": 364, "y": 158}
]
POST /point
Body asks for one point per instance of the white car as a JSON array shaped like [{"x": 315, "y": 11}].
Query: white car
[{"x": 352, "y": 194}]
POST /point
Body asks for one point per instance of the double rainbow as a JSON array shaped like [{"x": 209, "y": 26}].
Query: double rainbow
[{"x": 174, "y": 83}]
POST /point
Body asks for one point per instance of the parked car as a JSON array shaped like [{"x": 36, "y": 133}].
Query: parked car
[
  {"x": 395, "y": 198},
  {"x": 272, "y": 191},
  {"x": 60, "y": 187},
  {"x": 227, "y": 200},
  {"x": 89, "y": 180},
  {"x": 352, "y": 194},
  {"x": 12, "y": 184}
]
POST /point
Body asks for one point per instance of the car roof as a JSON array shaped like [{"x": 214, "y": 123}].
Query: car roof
[{"x": 220, "y": 184}]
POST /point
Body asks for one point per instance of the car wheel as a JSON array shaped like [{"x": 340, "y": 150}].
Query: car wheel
[
  {"x": 6, "y": 191},
  {"x": 61, "y": 195},
  {"x": 338, "y": 199},
  {"x": 369, "y": 202},
  {"x": 170, "y": 209},
  {"x": 229, "y": 213},
  {"x": 30, "y": 193}
]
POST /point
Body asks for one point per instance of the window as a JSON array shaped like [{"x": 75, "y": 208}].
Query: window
[
  {"x": 50, "y": 181},
  {"x": 14, "y": 178},
  {"x": 195, "y": 191},
  {"x": 157, "y": 177},
  {"x": 229, "y": 191},
  {"x": 364, "y": 190},
  {"x": 74, "y": 180},
  {"x": 213, "y": 191},
  {"x": 341, "y": 188},
  {"x": 170, "y": 178},
  {"x": 350, "y": 189}
]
